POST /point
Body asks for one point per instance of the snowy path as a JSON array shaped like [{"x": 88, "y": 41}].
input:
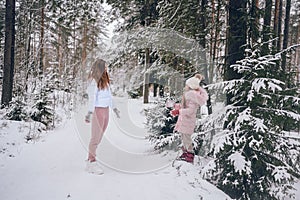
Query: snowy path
[
  {"x": 125, "y": 142},
  {"x": 54, "y": 168}
]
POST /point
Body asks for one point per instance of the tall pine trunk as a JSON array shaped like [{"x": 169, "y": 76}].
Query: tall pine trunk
[
  {"x": 279, "y": 27},
  {"x": 275, "y": 25},
  {"x": 146, "y": 22},
  {"x": 74, "y": 72},
  {"x": 203, "y": 34},
  {"x": 59, "y": 50},
  {"x": 9, "y": 54},
  {"x": 236, "y": 39},
  {"x": 84, "y": 47},
  {"x": 42, "y": 37},
  {"x": 254, "y": 23},
  {"x": 211, "y": 42},
  {"x": 297, "y": 55},
  {"x": 266, "y": 27},
  {"x": 28, "y": 49},
  {"x": 286, "y": 33},
  {"x": 216, "y": 37},
  {"x": 146, "y": 78}
]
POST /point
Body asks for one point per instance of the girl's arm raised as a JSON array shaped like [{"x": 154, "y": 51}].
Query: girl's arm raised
[{"x": 203, "y": 96}]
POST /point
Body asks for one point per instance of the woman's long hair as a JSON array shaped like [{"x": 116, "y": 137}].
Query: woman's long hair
[{"x": 99, "y": 74}]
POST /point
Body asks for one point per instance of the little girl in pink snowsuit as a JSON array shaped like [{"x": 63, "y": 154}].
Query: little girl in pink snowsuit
[{"x": 193, "y": 97}]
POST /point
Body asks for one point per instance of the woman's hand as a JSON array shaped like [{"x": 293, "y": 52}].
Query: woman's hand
[
  {"x": 88, "y": 117},
  {"x": 117, "y": 112}
]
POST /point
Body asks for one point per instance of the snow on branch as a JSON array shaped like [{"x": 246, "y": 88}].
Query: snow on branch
[
  {"x": 225, "y": 85},
  {"x": 246, "y": 117},
  {"x": 290, "y": 114},
  {"x": 240, "y": 164},
  {"x": 287, "y": 50},
  {"x": 156, "y": 38},
  {"x": 252, "y": 63},
  {"x": 266, "y": 83},
  {"x": 295, "y": 100}
]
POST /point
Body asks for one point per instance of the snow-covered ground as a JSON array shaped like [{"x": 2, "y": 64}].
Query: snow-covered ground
[{"x": 52, "y": 165}]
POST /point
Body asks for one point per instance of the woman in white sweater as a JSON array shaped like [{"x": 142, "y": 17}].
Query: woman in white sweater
[{"x": 100, "y": 99}]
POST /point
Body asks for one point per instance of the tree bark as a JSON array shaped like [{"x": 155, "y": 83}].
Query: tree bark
[
  {"x": 213, "y": 11},
  {"x": 236, "y": 36},
  {"x": 236, "y": 39},
  {"x": 59, "y": 50},
  {"x": 146, "y": 78},
  {"x": 275, "y": 26},
  {"x": 155, "y": 87},
  {"x": 42, "y": 37},
  {"x": 254, "y": 28},
  {"x": 202, "y": 36},
  {"x": 216, "y": 39},
  {"x": 266, "y": 27},
  {"x": 286, "y": 33},
  {"x": 8, "y": 74},
  {"x": 213, "y": 39},
  {"x": 297, "y": 55},
  {"x": 145, "y": 21},
  {"x": 279, "y": 26},
  {"x": 84, "y": 48}
]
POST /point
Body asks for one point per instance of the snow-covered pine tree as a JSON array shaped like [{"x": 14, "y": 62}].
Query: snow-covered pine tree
[
  {"x": 42, "y": 110},
  {"x": 161, "y": 125},
  {"x": 17, "y": 110},
  {"x": 256, "y": 158}
]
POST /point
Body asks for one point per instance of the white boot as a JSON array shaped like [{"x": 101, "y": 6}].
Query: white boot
[{"x": 93, "y": 168}]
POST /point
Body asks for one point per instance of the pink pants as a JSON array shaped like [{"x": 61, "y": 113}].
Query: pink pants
[
  {"x": 99, "y": 125},
  {"x": 187, "y": 142}
]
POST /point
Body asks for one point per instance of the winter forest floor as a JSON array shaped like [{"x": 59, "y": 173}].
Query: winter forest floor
[{"x": 52, "y": 166}]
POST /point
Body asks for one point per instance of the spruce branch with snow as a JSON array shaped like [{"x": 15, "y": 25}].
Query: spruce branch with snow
[
  {"x": 256, "y": 159},
  {"x": 161, "y": 125}
]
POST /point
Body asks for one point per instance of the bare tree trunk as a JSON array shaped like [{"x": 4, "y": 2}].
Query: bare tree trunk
[
  {"x": 147, "y": 22},
  {"x": 28, "y": 39},
  {"x": 297, "y": 56},
  {"x": 286, "y": 32},
  {"x": 202, "y": 36},
  {"x": 266, "y": 27},
  {"x": 59, "y": 50},
  {"x": 213, "y": 11},
  {"x": 212, "y": 38},
  {"x": 216, "y": 39},
  {"x": 42, "y": 37},
  {"x": 9, "y": 54},
  {"x": 28, "y": 49},
  {"x": 75, "y": 49},
  {"x": 236, "y": 39},
  {"x": 211, "y": 50},
  {"x": 155, "y": 87},
  {"x": 279, "y": 26},
  {"x": 146, "y": 78},
  {"x": 275, "y": 26},
  {"x": 84, "y": 48},
  {"x": 254, "y": 27}
]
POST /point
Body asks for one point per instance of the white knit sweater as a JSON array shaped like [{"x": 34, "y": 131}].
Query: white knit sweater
[{"x": 98, "y": 97}]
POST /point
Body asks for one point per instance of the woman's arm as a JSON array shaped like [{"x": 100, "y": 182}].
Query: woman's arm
[
  {"x": 91, "y": 100},
  {"x": 112, "y": 104},
  {"x": 91, "y": 94}
]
